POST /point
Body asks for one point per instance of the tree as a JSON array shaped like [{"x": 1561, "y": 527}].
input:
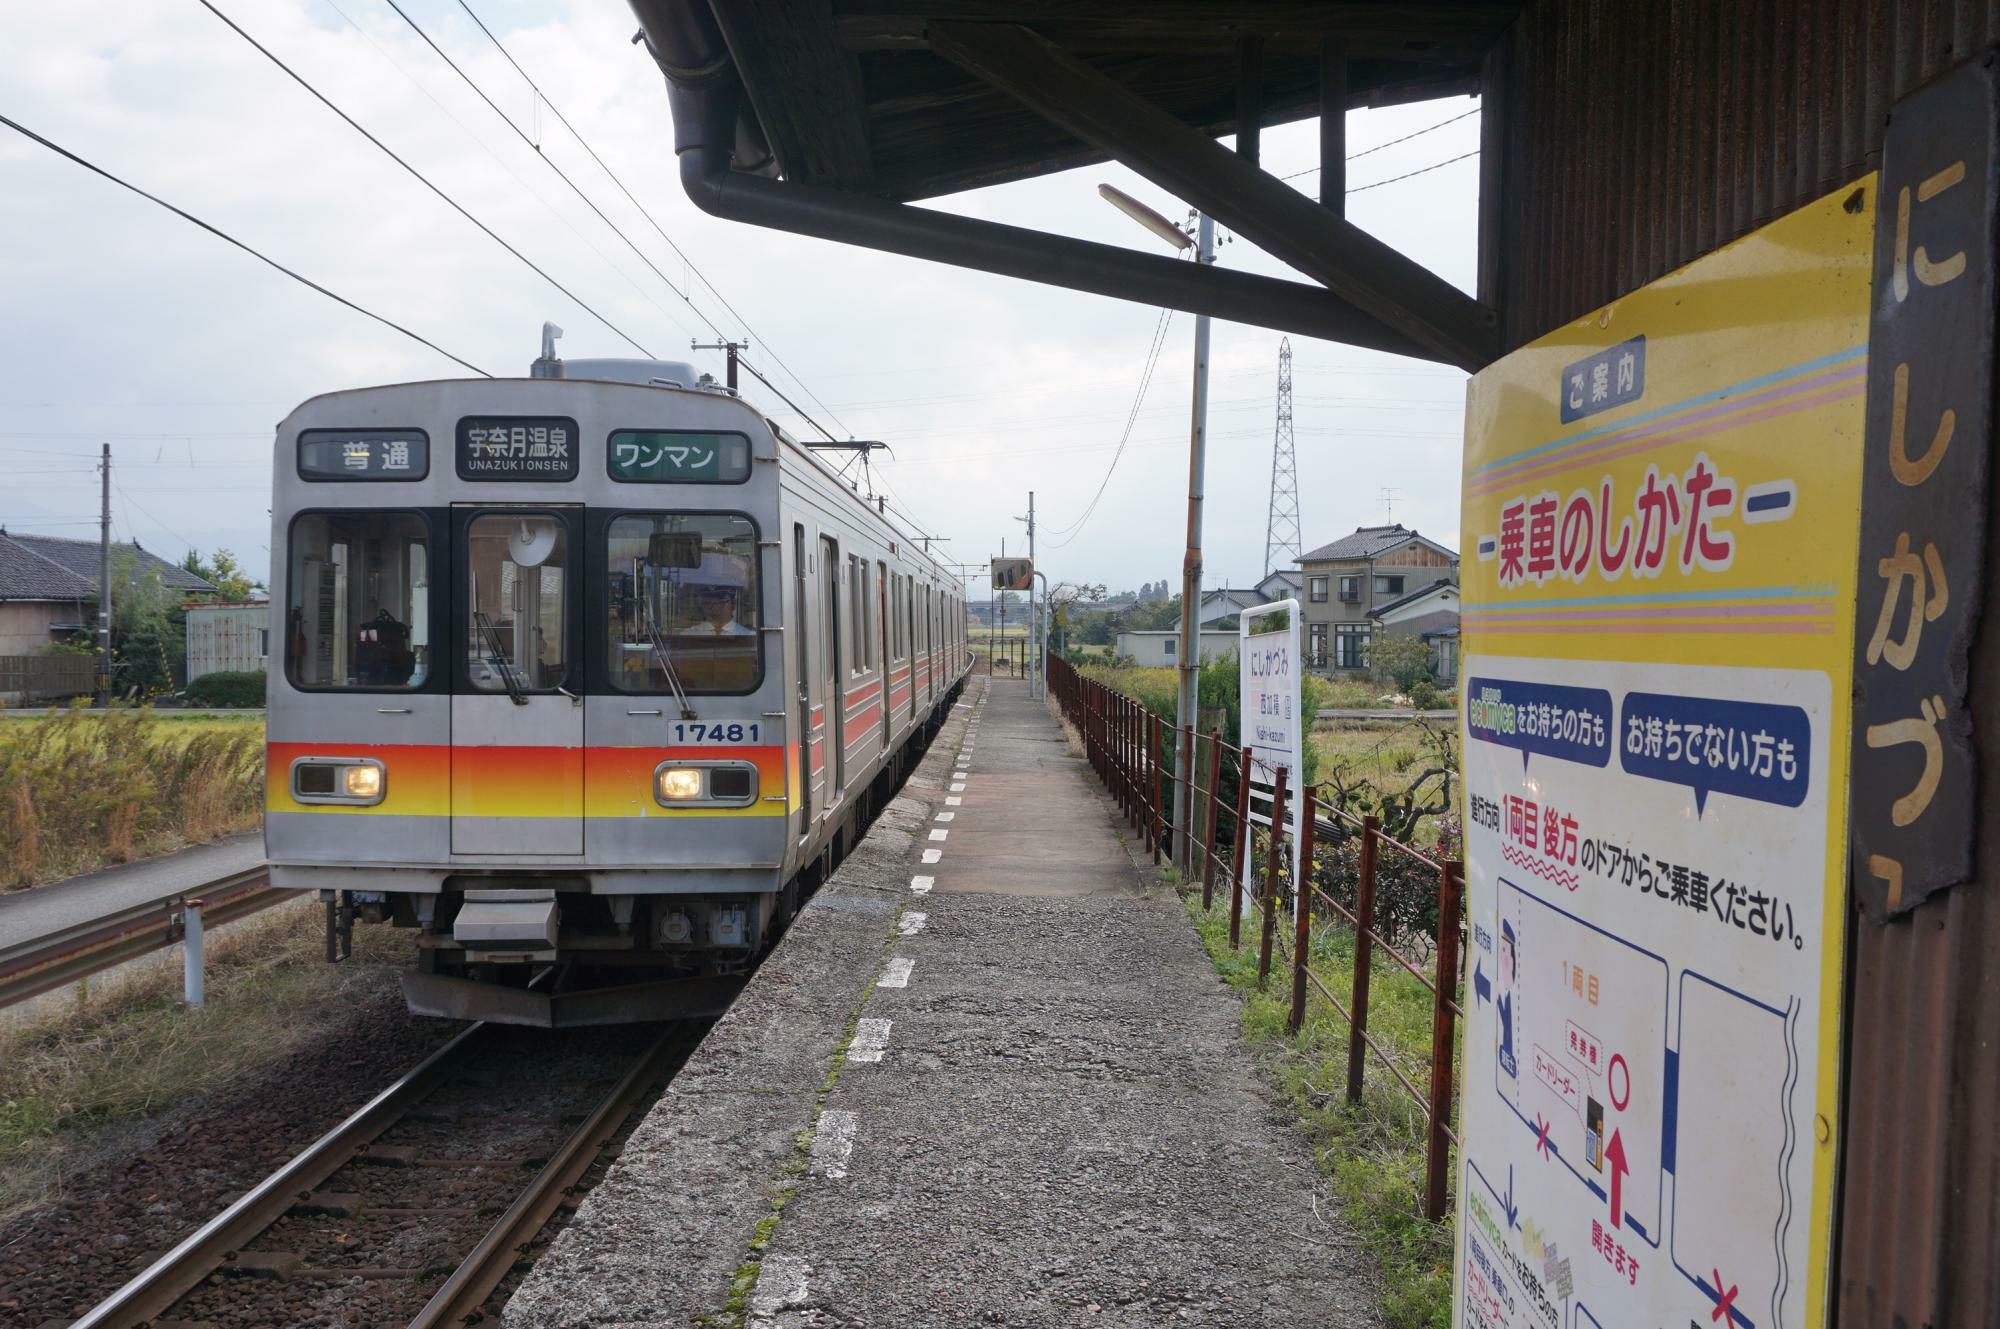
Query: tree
[
  {"x": 224, "y": 573},
  {"x": 1401, "y": 661}
]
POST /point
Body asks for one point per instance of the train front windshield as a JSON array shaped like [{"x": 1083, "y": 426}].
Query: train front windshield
[{"x": 683, "y": 606}]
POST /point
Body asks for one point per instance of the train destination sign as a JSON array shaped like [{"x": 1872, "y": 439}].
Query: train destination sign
[
  {"x": 644, "y": 456},
  {"x": 1658, "y": 660},
  {"x": 364, "y": 454},
  {"x": 517, "y": 447}
]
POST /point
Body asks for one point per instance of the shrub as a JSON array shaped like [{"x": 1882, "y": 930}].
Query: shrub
[
  {"x": 227, "y": 689},
  {"x": 1399, "y": 661},
  {"x": 1425, "y": 696},
  {"x": 1406, "y": 891}
]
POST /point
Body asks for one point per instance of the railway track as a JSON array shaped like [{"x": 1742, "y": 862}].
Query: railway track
[
  {"x": 417, "y": 1207},
  {"x": 46, "y": 963}
]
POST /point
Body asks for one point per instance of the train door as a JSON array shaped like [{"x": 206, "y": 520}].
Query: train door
[
  {"x": 803, "y": 704},
  {"x": 833, "y": 668},
  {"x": 517, "y": 734},
  {"x": 910, "y": 636},
  {"x": 882, "y": 640}
]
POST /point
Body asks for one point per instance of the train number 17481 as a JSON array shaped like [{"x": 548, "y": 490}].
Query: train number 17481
[{"x": 696, "y": 731}]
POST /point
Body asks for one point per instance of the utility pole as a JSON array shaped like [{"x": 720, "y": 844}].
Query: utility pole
[
  {"x": 1037, "y": 630},
  {"x": 104, "y": 583},
  {"x": 729, "y": 347},
  {"x": 1190, "y": 642}
]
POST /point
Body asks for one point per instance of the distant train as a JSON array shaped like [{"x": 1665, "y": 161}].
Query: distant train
[{"x": 587, "y": 678}]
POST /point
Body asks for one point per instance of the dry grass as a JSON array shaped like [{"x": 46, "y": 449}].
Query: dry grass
[
  {"x": 81, "y": 791},
  {"x": 81, "y": 1071}
]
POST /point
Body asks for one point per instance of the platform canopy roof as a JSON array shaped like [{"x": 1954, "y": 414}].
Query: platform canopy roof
[{"x": 852, "y": 94}]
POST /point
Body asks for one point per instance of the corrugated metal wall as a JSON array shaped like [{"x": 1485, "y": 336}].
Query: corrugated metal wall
[
  {"x": 1640, "y": 134},
  {"x": 226, "y": 638},
  {"x": 1644, "y": 133}
]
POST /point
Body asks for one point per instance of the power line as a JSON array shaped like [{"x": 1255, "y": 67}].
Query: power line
[
  {"x": 1421, "y": 170},
  {"x": 742, "y": 322},
  {"x": 549, "y": 162},
  {"x": 1419, "y": 133},
  {"x": 1075, "y": 528},
  {"x": 355, "y": 125},
  {"x": 221, "y": 234}
]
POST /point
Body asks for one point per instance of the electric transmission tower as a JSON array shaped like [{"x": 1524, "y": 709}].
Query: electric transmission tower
[{"x": 1281, "y": 532}]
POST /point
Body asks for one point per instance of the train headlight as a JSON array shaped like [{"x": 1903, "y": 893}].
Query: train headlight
[
  {"x": 724, "y": 783},
  {"x": 341, "y": 780},
  {"x": 679, "y": 784}
]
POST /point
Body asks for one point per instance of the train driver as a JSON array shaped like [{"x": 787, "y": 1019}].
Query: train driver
[{"x": 717, "y": 584}]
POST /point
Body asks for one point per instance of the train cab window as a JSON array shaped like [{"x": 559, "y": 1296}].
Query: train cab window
[
  {"x": 358, "y": 592},
  {"x": 684, "y": 614},
  {"x": 516, "y": 572}
]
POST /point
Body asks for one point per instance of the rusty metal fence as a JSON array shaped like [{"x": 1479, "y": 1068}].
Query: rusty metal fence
[{"x": 1133, "y": 751}]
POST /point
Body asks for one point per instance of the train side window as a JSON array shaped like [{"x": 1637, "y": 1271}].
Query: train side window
[
  {"x": 683, "y": 602},
  {"x": 358, "y": 601}
]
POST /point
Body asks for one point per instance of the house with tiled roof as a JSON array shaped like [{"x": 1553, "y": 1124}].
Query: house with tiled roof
[
  {"x": 1351, "y": 582},
  {"x": 46, "y": 582}
]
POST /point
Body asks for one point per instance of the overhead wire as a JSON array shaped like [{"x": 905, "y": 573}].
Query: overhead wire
[
  {"x": 221, "y": 234},
  {"x": 423, "y": 179},
  {"x": 1365, "y": 152},
  {"x": 741, "y": 321},
  {"x": 499, "y": 161},
  {"x": 1075, "y": 528}
]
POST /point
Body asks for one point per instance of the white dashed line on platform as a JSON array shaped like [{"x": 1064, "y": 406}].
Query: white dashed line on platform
[
  {"x": 896, "y": 974},
  {"x": 910, "y": 924},
  {"x": 922, "y": 885},
  {"x": 952, "y": 800},
  {"x": 833, "y": 1144},
  {"x": 939, "y": 834},
  {"x": 871, "y": 1040},
  {"x": 946, "y": 816},
  {"x": 933, "y": 855}
]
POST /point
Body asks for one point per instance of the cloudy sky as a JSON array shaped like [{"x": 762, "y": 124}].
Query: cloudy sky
[{"x": 127, "y": 325}]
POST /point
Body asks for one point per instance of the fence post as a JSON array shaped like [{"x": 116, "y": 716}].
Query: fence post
[
  {"x": 1237, "y": 866},
  {"x": 1274, "y": 853},
  {"x": 1155, "y": 823},
  {"x": 1302, "y": 891},
  {"x": 1208, "y": 834},
  {"x": 1364, "y": 955},
  {"x": 1442, "y": 1033}
]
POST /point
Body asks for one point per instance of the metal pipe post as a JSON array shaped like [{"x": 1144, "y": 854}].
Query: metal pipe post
[
  {"x": 1190, "y": 642},
  {"x": 1443, "y": 1035},
  {"x": 1364, "y": 955},
  {"x": 1208, "y": 835},
  {"x": 1274, "y": 847},
  {"x": 191, "y": 948},
  {"x": 1302, "y": 912},
  {"x": 1236, "y": 866}
]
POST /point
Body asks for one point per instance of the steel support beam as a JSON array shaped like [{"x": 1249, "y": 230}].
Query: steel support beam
[{"x": 1264, "y": 210}]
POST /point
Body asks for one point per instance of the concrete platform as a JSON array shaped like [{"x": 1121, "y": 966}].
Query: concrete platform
[{"x": 1002, "y": 1087}]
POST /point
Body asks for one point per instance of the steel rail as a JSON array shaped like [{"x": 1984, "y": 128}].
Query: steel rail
[
  {"x": 42, "y": 964},
  {"x": 157, "y": 1287},
  {"x": 458, "y": 1301}
]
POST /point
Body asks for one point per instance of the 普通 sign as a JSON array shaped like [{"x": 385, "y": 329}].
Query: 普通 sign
[{"x": 364, "y": 454}]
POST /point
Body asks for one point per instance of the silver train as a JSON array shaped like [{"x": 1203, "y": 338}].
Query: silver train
[{"x": 587, "y": 678}]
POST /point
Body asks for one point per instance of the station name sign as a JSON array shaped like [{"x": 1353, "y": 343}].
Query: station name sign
[{"x": 517, "y": 447}]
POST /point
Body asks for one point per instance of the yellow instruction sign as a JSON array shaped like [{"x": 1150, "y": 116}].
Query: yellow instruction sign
[{"x": 1660, "y": 511}]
